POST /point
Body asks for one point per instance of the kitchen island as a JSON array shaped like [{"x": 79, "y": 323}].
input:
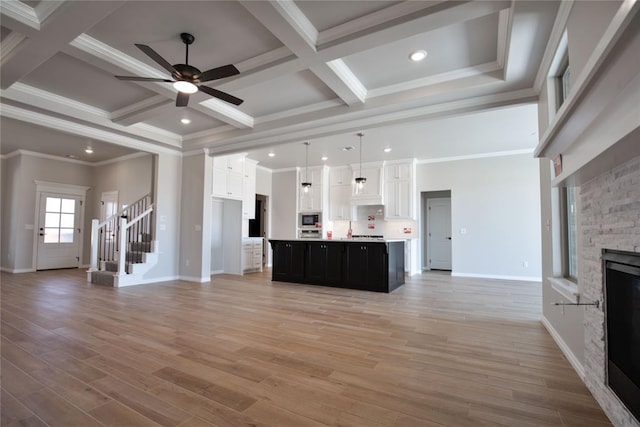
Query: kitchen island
[{"x": 366, "y": 264}]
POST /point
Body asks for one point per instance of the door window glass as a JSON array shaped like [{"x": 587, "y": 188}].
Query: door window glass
[{"x": 59, "y": 220}]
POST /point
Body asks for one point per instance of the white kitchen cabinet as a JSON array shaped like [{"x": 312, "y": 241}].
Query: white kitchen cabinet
[
  {"x": 251, "y": 254},
  {"x": 399, "y": 190},
  {"x": 249, "y": 189},
  {"x": 232, "y": 163},
  {"x": 340, "y": 176},
  {"x": 311, "y": 200},
  {"x": 340, "y": 208},
  {"x": 371, "y": 193}
]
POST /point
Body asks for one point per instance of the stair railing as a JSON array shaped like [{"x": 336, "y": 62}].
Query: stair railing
[{"x": 107, "y": 237}]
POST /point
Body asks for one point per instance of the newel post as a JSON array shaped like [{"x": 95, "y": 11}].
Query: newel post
[{"x": 93, "y": 262}]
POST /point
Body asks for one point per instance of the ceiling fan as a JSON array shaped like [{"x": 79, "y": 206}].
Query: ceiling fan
[{"x": 186, "y": 78}]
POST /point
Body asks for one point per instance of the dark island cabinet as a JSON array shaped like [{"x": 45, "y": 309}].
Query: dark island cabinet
[
  {"x": 324, "y": 263},
  {"x": 367, "y": 265},
  {"x": 288, "y": 261},
  {"x": 371, "y": 266}
]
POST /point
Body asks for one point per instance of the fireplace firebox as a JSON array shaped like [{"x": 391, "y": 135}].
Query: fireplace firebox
[{"x": 622, "y": 314}]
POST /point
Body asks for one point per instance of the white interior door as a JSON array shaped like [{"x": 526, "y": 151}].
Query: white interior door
[
  {"x": 108, "y": 204},
  {"x": 439, "y": 233},
  {"x": 59, "y": 238}
]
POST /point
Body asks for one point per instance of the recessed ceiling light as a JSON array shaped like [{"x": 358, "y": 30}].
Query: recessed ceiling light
[
  {"x": 325, "y": 158},
  {"x": 271, "y": 154},
  {"x": 88, "y": 150},
  {"x": 185, "y": 121},
  {"x": 386, "y": 150},
  {"x": 418, "y": 55},
  {"x": 347, "y": 148}
]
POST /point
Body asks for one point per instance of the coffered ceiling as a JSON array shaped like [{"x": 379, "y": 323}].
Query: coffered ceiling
[{"x": 309, "y": 70}]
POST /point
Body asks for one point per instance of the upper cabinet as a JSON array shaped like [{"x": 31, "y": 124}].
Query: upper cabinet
[
  {"x": 312, "y": 199},
  {"x": 371, "y": 191},
  {"x": 249, "y": 189},
  {"x": 340, "y": 183},
  {"x": 399, "y": 188},
  {"x": 234, "y": 177}
]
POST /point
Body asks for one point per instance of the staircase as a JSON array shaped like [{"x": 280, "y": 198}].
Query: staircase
[{"x": 122, "y": 247}]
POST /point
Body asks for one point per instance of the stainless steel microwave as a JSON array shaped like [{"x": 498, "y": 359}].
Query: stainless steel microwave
[{"x": 310, "y": 220}]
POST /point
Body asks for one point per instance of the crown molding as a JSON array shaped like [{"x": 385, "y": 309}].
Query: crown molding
[
  {"x": 380, "y": 17},
  {"x": 298, "y": 20},
  {"x": 311, "y": 108},
  {"x": 123, "y": 114},
  {"x": 345, "y": 74},
  {"x": 476, "y": 156},
  {"x": 49, "y": 157},
  {"x": 113, "y": 56},
  {"x": 45, "y": 9},
  {"x": 228, "y": 113},
  {"x": 449, "y": 76},
  {"x": 505, "y": 27},
  {"x": 267, "y": 58},
  {"x": 120, "y": 159},
  {"x": 21, "y": 12},
  {"x": 9, "y": 45}
]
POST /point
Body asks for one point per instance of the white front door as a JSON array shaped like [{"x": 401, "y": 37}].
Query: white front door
[
  {"x": 439, "y": 233},
  {"x": 59, "y": 231}
]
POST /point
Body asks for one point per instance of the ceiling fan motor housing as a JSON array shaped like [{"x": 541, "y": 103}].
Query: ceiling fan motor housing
[{"x": 186, "y": 72}]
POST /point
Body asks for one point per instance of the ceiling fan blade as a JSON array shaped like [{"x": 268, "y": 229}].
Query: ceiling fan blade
[
  {"x": 156, "y": 57},
  {"x": 142, "y": 79},
  {"x": 218, "y": 73},
  {"x": 221, "y": 95},
  {"x": 182, "y": 99}
]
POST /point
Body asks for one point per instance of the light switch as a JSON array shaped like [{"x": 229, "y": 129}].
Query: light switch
[{"x": 463, "y": 231}]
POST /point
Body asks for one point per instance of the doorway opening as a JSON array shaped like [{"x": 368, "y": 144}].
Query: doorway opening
[
  {"x": 258, "y": 227},
  {"x": 436, "y": 239}
]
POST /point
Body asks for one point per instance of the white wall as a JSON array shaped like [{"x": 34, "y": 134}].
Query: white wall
[
  {"x": 131, "y": 178},
  {"x": 497, "y": 201},
  {"x": 263, "y": 181},
  {"x": 168, "y": 172}
]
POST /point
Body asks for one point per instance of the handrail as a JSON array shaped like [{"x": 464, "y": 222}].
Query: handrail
[
  {"x": 139, "y": 217},
  {"x": 125, "y": 209}
]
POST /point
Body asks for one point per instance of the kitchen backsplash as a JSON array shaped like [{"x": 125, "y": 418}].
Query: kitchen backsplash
[{"x": 374, "y": 223}]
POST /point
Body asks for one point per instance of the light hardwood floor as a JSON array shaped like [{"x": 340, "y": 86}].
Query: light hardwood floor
[{"x": 245, "y": 351}]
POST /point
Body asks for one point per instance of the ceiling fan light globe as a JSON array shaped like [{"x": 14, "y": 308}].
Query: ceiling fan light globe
[{"x": 185, "y": 87}]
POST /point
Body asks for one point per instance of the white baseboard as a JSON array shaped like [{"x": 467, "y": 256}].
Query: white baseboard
[
  {"x": 217, "y": 272},
  {"x": 498, "y": 276},
  {"x": 577, "y": 366},
  {"x": 17, "y": 270}
]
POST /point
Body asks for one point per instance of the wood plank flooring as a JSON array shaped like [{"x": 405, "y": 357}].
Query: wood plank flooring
[{"x": 245, "y": 351}]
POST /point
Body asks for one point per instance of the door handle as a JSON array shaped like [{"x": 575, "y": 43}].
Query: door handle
[
  {"x": 448, "y": 238},
  {"x": 42, "y": 234}
]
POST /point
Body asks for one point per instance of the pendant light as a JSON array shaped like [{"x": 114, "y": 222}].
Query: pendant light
[
  {"x": 360, "y": 180},
  {"x": 306, "y": 185}
]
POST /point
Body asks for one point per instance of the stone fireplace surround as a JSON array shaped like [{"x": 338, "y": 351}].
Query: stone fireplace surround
[{"x": 609, "y": 219}]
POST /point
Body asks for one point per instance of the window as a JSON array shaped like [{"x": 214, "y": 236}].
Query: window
[
  {"x": 570, "y": 234},
  {"x": 59, "y": 220},
  {"x": 563, "y": 83}
]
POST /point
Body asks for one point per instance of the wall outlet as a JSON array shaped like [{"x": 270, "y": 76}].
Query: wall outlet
[
  {"x": 463, "y": 231},
  {"x": 525, "y": 264},
  {"x": 186, "y": 263}
]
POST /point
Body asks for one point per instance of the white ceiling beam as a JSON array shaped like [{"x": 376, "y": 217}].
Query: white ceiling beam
[
  {"x": 80, "y": 129},
  {"x": 71, "y": 19},
  {"x": 287, "y": 22},
  {"x": 352, "y": 121},
  {"x": 88, "y": 49},
  {"x": 74, "y": 110}
]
